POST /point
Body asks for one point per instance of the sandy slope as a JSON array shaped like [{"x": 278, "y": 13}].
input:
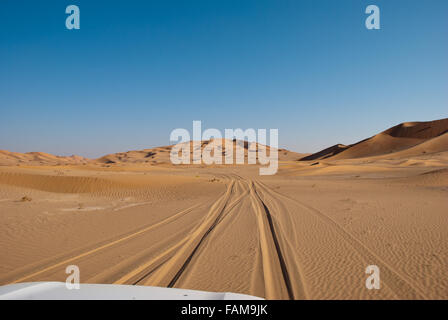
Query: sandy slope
[
  {"x": 430, "y": 146},
  {"x": 393, "y": 140}
]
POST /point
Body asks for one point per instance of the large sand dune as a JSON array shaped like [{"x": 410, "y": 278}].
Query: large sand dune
[
  {"x": 430, "y": 146},
  {"x": 398, "y": 138},
  {"x": 161, "y": 155}
]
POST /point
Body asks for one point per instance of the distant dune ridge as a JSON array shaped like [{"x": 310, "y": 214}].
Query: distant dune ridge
[
  {"x": 153, "y": 156},
  {"x": 161, "y": 155},
  {"x": 405, "y": 139},
  {"x": 38, "y": 158}
]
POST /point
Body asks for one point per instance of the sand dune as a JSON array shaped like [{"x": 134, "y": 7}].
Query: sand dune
[
  {"x": 51, "y": 182},
  {"x": 434, "y": 145},
  {"x": 152, "y": 156},
  {"x": 377, "y": 145},
  {"x": 37, "y": 158},
  {"x": 326, "y": 153},
  {"x": 161, "y": 155},
  {"x": 419, "y": 130},
  {"x": 393, "y": 140}
]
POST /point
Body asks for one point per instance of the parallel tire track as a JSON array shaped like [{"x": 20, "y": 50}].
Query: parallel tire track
[
  {"x": 107, "y": 245},
  {"x": 169, "y": 273},
  {"x": 272, "y": 257},
  {"x": 147, "y": 269},
  {"x": 291, "y": 262},
  {"x": 399, "y": 283}
]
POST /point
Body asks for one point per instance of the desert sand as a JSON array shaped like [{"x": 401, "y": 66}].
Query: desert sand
[{"x": 308, "y": 232}]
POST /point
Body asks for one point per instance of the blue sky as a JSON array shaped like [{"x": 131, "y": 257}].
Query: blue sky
[{"x": 138, "y": 69}]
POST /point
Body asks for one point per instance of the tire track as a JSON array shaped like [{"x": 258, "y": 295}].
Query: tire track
[
  {"x": 272, "y": 257},
  {"x": 147, "y": 269},
  {"x": 291, "y": 261},
  {"x": 400, "y": 284},
  {"x": 221, "y": 216},
  {"x": 108, "y": 244},
  {"x": 169, "y": 273}
]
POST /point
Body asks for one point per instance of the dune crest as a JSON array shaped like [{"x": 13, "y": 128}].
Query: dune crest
[
  {"x": 402, "y": 140},
  {"x": 161, "y": 155},
  {"x": 8, "y": 158}
]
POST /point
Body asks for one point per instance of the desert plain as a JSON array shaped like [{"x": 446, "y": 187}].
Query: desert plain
[{"x": 307, "y": 232}]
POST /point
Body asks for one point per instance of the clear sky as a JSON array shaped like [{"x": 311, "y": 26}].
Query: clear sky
[{"x": 138, "y": 69}]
